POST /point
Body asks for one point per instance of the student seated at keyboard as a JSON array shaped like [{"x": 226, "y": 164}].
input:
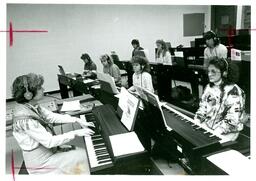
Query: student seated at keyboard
[
  {"x": 222, "y": 106},
  {"x": 163, "y": 55},
  {"x": 141, "y": 76},
  {"x": 110, "y": 68},
  {"x": 43, "y": 151},
  {"x": 89, "y": 66}
]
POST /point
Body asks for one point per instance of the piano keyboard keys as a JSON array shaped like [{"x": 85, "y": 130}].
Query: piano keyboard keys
[
  {"x": 96, "y": 148},
  {"x": 97, "y": 153},
  {"x": 195, "y": 126}
]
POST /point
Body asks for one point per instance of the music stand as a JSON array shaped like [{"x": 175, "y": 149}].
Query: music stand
[
  {"x": 61, "y": 70},
  {"x": 107, "y": 83}
]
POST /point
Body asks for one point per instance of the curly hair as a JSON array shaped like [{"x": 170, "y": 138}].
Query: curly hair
[
  {"x": 143, "y": 61},
  {"x": 232, "y": 71},
  {"x": 34, "y": 81},
  {"x": 108, "y": 58}
]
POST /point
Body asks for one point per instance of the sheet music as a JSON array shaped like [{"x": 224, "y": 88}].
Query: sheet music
[
  {"x": 71, "y": 106},
  {"x": 232, "y": 162},
  {"x": 125, "y": 143},
  {"x": 129, "y": 105},
  {"x": 86, "y": 81}
]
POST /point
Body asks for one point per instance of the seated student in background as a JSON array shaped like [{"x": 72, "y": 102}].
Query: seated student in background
[
  {"x": 89, "y": 66},
  {"x": 214, "y": 48},
  {"x": 136, "y": 46},
  {"x": 32, "y": 128},
  {"x": 163, "y": 55},
  {"x": 222, "y": 105},
  {"x": 141, "y": 76},
  {"x": 110, "y": 68}
]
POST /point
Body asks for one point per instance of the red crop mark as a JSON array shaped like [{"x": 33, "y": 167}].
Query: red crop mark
[
  {"x": 11, "y": 31},
  {"x": 13, "y": 168}
]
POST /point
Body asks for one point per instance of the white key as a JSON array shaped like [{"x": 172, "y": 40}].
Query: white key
[
  {"x": 222, "y": 137},
  {"x": 92, "y": 155}
]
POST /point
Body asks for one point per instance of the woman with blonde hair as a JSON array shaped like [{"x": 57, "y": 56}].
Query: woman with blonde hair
[{"x": 110, "y": 68}]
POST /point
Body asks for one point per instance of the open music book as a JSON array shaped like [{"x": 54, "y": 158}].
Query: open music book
[
  {"x": 232, "y": 162},
  {"x": 129, "y": 106},
  {"x": 71, "y": 106},
  {"x": 126, "y": 143}
]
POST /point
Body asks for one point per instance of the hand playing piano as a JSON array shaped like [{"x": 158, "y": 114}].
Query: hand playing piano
[
  {"x": 83, "y": 132},
  {"x": 85, "y": 124}
]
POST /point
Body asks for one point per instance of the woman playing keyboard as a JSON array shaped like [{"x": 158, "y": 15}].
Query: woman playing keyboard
[
  {"x": 223, "y": 102},
  {"x": 32, "y": 128}
]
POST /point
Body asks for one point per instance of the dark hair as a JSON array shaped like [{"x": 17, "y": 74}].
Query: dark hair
[
  {"x": 143, "y": 61},
  {"x": 135, "y": 42},
  {"x": 34, "y": 81},
  {"x": 211, "y": 35},
  {"x": 86, "y": 56},
  {"x": 108, "y": 58},
  {"x": 164, "y": 47},
  {"x": 232, "y": 73}
]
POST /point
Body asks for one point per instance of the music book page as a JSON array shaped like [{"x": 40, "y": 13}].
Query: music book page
[
  {"x": 86, "y": 81},
  {"x": 129, "y": 105},
  {"x": 232, "y": 162},
  {"x": 126, "y": 143},
  {"x": 71, "y": 106}
]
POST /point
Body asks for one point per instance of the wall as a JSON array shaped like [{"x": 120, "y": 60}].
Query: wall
[{"x": 96, "y": 29}]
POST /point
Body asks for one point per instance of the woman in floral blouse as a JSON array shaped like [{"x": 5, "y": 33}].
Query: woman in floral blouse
[{"x": 223, "y": 102}]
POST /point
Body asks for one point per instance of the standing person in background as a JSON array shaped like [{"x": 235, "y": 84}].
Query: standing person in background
[
  {"x": 141, "y": 76},
  {"x": 214, "y": 48},
  {"x": 110, "y": 68},
  {"x": 89, "y": 65},
  {"x": 136, "y": 46},
  {"x": 162, "y": 54},
  {"x": 32, "y": 128}
]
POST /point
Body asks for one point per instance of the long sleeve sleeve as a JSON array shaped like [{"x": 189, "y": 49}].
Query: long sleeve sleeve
[
  {"x": 233, "y": 111},
  {"x": 223, "y": 53},
  {"x": 36, "y": 131},
  {"x": 55, "y": 117},
  {"x": 147, "y": 82},
  {"x": 115, "y": 72},
  {"x": 202, "y": 110},
  {"x": 167, "y": 58}
]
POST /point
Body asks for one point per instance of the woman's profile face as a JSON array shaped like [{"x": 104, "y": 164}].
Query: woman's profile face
[
  {"x": 104, "y": 61},
  {"x": 214, "y": 74},
  {"x": 159, "y": 46},
  {"x": 39, "y": 94}
]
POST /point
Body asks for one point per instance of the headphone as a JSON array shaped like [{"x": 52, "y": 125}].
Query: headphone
[
  {"x": 27, "y": 95},
  {"x": 225, "y": 73}
]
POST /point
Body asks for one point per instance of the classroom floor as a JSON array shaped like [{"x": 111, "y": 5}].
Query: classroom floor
[{"x": 12, "y": 146}]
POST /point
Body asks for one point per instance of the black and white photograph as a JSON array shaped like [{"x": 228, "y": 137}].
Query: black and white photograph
[{"x": 184, "y": 68}]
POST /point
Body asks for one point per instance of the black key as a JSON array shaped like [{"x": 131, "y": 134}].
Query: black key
[
  {"x": 96, "y": 136},
  {"x": 103, "y": 157},
  {"x": 102, "y": 154},
  {"x": 99, "y": 146},
  {"x": 99, "y": 152},
  {"x": 97, "y": 141}
]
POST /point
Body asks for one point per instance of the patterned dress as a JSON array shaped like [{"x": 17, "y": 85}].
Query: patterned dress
[{"x": 222, "y": 111}]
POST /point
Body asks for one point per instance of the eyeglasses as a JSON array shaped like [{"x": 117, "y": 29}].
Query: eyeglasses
[{"x": 212, "y": 72}]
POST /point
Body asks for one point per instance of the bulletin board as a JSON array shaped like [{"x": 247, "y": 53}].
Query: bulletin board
[{"x": 193, "y": 24}]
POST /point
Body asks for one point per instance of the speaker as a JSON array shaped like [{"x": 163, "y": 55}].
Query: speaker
[{"x": 28, "y": 95}]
